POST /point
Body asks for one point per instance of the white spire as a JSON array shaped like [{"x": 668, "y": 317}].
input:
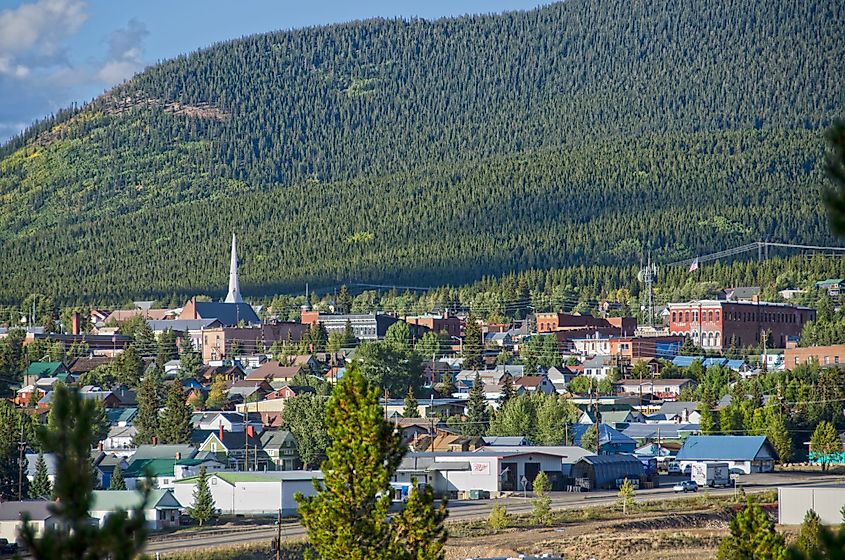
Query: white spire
[{"x": 234, "y": 295}]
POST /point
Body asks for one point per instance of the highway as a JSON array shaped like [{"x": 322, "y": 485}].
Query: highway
[{"x": 475, "y": 509}]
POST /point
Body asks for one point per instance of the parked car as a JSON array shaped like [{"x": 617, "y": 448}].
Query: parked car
[
  {"x": 688, "y": 470},
  {"x": 8, "y": 548},
  {"x": 673, "y": 468},
  {"x": 685, "y": 486}
]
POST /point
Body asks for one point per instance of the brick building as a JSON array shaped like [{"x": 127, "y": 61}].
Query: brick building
[
  {"x": 555, "y": 322},
  {"x": 437, "y": 323},
  {"x": 826, "y": 356},
  {"x": 217, "y": 343},
  {"x": 714, "y": 324}
]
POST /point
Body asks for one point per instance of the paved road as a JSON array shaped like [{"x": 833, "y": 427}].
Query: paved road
[{"x": 466, "y": 510}]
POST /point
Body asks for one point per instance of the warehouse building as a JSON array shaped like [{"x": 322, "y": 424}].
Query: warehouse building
[{"x": 826, "y": 501}]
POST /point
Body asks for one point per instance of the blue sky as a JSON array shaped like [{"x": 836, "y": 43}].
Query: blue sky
[{"x": 56, "y": 52}]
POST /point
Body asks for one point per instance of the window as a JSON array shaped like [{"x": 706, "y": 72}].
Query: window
[
  {"x": 674, "y": 318},
  {"x": 797, "y": 360},
  {"x": 695, "y": 315},
  {"x": 214, "y": 481},
  {"x": 709, "y": 315},
  {"x": 717, "y": 315},
  {"x": 827, "y": 360},
  {"x": 686, "y": 316},
  {"x": 836, "y": 359}
]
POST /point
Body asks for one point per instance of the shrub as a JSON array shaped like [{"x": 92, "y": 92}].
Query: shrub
[{"x": 498, "y": 519}]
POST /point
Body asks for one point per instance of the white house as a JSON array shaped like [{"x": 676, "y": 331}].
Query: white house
[
  {"x": 746, "y": 454},
  {"x": 11, "y": 518},
  {"x": 252, "y": 493},
  {"x": 599, "y": 367},
  {"x": 161, "y": 510}
]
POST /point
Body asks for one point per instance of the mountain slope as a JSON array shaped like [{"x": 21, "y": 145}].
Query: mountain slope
[{"x": 432, "y": 152}]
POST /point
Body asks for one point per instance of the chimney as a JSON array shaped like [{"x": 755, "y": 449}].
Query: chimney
[
  {"x": 221, "y": 431},
  {"x": 755, "y": 298},
  {"x": 178, "y": 455},
  {"x": 100, "y": 447},
  {"x": 75, "y": 323},
  {"x": 155, "y": 440}
]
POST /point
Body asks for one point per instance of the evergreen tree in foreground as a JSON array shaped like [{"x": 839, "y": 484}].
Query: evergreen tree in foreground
[
  {"x": 824, "y": 443},
  {"x": 508, "y": 391},
  {"x": 472, "y": 346},
  {"x": 122, "y": 536},
  {"x": 411, "y": 409},
  {"x": 348, "y": 518},
  {"x": 203, "y": 507},
  {"x": 117, "y": 481},
  {"x": 41, "y": 488},
  {"x": 809, "y": 541},
  {"x": 175, "y": 422},
  {"x": 753, "y": 537}
]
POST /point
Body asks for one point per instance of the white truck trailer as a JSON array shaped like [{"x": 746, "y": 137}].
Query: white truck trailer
[{"x": 711, "y": 474}]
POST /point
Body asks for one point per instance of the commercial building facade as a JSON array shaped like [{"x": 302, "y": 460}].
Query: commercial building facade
[{"x": 716, "y": 324}]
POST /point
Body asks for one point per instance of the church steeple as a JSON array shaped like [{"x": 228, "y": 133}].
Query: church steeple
[{"x": 234, "y": 295}]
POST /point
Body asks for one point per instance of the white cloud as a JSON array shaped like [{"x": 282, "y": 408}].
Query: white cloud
[
  {"x": 31, "y": 35},
  {"x": 126, "y": 53}
]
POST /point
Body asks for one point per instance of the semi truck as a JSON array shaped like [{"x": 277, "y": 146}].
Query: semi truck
[{"x": 711, "y": 474}]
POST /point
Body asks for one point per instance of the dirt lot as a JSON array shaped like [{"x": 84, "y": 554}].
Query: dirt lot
[{"x": 652, "y": 536}]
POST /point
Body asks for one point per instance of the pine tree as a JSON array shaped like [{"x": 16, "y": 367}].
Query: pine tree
[
  {"x": 203, "y": 506},
  {"x": 778, "y": 434},
  {"x": 348, "y": 518},
  {"x": 128, "y": 367},
  {"x": 825, "y": 443},
  {"x": 478, "y": 416},
  {"x": 117, "y": 481},
  {"x": 41, "y": 488},
  {"x": 753, "y": 537},
  {"x": 835, "y": 196},
  {"x": 626, "y": 495},
  {"x": 508, "y": 391},
  {"x": 145, "y": 342},
  {"x": 146, "y": 422},
  {"x": 216, "y": 399},
  {"x": 122, "y": 536},
  {"x": 411, "y": 409},
  {"x": 175, "y": 423},
  {"x": 541, "y": 503},
  {"x": 167, "y": 348},
  {"x": 589, "y": 438},
  {"x": 419, "y": 533},
  {"x": 809, "y": 542},
  {"x": 706, "y": 423},
  {"x": 189, "y": 360},
  {"x": 472, "y": 345}
]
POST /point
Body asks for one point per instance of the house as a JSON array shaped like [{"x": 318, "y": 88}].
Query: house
[
  {"x": 25, "y": 394},
  {"x": 234, "y": 448},
  {"x": 229, "y": 372},
  {"x": 272, "y": 371},
  {"x": 833, "y": 286},
  {"x": 280, "y": 448},
  {"x": 120, "y": 439},
  {"x": 741, "y": 293},
  {"x": 226, "y": 421},
  {"x": 499, "y": 339},
  {"x": 663, "y": 431},
  {"x": 248, "y": 391},
  {"x": 599, "y": 367},
  {"x": 230, "y": 341},
  {"x": 104, "y": 466},
  {"x": 664, "y": 389},
  {"x": 37, "y": 370},
  {"x": 86, "y": 364},
  {"x": 535, "y": 384},
  {"x": 596, "y": 472},
  {"x": 499, "y": 441},
  {"x": 161, "y": 510},
  {"x": 121, "y": 416},
  {"x": 684, "y": 412},
  {"x": 252, "y": 493},
  {"x": 228, "y": 314},
  {"x": 560, "y": 377},
  {"x": 749, "y": 454},
  {"x": 617, "y": 419},
  {"x": 12, "y": 514},
  {"x": 306, "y": 361}
]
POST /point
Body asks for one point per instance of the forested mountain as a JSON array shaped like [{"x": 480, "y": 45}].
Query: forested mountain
[{"x": 433, "y": 152}]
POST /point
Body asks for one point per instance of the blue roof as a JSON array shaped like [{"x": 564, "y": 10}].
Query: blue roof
[
  {"x": 709, "y": 362},
  {"x": 607, "y": 435},
  {"x": 723, "y": 448},
  {"x": 685, "y": 361},
  {"x": 735, "y": 365}
]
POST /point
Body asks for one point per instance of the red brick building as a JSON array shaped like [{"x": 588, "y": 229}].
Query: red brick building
[
  {"x": 554, "y": 322},
  {"x": 826, "y": 356},
  {"x": 437, "y": 323},
  {"x": 714, "y": 324}
]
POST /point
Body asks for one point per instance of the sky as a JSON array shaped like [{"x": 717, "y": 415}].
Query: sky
[{"x": 57, "y": 52}]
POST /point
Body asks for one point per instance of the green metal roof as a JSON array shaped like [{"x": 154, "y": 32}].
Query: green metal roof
[
  {"x": 272, "y": 476},
  {"x": 110, "y": 500},
  {"x": 156, "y": 467},
  {"x": 44, "y": 369}
]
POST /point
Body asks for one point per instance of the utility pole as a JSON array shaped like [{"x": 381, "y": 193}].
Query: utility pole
[
  {"x": 21, "y": 449},
  {"x": 279, "y": 536}
]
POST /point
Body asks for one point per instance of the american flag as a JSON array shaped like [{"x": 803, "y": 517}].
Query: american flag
[{"x": 694, "y": 266}]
